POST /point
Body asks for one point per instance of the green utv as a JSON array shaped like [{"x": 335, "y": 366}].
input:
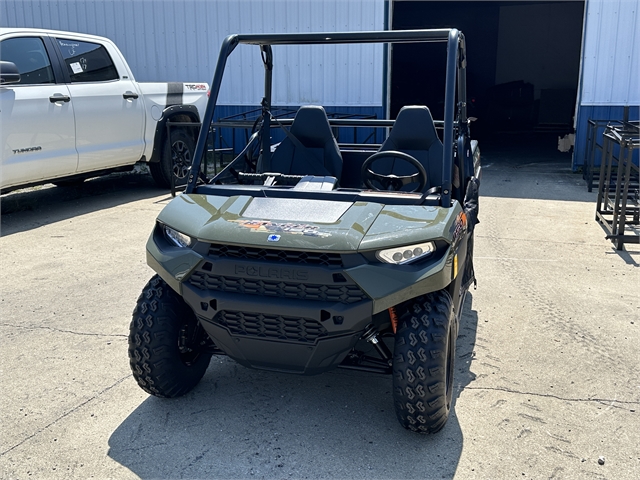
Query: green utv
[{"x": 306, "y": 255}]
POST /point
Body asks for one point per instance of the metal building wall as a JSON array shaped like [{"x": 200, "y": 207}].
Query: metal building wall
[
  {"x": 610, "y": 73},
  {"x": 178, "y": 40}
]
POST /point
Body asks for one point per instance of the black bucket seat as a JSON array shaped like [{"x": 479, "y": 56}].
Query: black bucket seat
[
  {"x": 309, "y": 147},
  {"x": 413, "y": 133}
]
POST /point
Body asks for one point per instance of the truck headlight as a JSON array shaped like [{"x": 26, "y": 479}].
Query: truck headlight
[
  {"x": 406, "y": 254},
  {"x": 177, "y": 238}
]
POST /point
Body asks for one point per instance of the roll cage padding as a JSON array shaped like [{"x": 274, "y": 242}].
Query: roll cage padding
[
  {"x": 310, "y": 148},
  {"x": 414, "y": 133}
]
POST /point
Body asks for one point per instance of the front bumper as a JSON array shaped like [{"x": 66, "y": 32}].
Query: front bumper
[{"x": 299, "y": 312}]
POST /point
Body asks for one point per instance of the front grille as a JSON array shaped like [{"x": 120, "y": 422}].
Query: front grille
[
  {"x": 275, "y": 288},
  {"x": 269, "y": 255},
  {"x": 271, "y": 326}
]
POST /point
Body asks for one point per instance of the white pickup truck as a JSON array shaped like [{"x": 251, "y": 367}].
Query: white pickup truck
[{"x": 70, "y": 109}]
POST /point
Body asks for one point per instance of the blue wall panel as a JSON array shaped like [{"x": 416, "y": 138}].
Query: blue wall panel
[
  {"x": 597, "y": 112},
  {"x": 225, "y": 137}
]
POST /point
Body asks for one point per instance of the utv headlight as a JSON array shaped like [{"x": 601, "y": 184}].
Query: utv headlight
[
  {"x": 177, "y": 238},
  {"x": 406, "y": 254}
]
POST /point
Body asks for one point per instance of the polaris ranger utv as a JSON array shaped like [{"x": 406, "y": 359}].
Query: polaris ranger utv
[{"x": 308, "y": 255}]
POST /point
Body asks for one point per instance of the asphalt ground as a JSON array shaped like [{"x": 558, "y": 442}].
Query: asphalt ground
[{"x": 546, "y": 381}]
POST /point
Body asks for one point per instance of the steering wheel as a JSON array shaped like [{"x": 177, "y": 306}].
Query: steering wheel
[{"x": 391, "y": 181}]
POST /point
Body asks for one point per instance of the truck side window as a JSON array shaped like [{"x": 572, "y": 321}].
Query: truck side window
[
  {"x": 86, "y": 61},
  {"x": 30, "y": 56}
]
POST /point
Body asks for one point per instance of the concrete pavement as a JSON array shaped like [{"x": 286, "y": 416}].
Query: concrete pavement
[{"x": 547, "y": 359}]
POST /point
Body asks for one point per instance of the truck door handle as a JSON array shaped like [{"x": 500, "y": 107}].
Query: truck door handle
[
  {"x": 128, "y": 94},
  {"x": 59, "y": 98}
]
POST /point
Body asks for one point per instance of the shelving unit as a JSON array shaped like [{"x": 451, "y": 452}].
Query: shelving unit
[{"x": 618, "y": 204}]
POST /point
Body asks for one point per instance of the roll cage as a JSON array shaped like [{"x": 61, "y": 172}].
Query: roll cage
[{"x": 455, "y": 124}]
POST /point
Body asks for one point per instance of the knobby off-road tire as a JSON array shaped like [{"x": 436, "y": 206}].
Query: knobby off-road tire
[
  {"x": 423, "y": 362},
  {"x": 164, "y": 337},
  {"x": 175, "y": 160}
]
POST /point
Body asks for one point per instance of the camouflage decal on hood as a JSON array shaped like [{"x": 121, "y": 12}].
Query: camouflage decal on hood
[{"x": 270, "y": 227}]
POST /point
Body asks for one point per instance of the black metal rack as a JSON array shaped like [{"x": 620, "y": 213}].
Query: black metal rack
[
  {"x": 618, "y": 204},
  {"x": 595, "y": 139},
  {"x": 247, "y": 121}
]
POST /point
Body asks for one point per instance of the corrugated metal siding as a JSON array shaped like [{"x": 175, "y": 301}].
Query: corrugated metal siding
[
  {"x": 179, "y": 40},
  {"x": 611, "y": 53},
  {"x": 225, "y": 137},
  {"x": 610, "y": 76}
]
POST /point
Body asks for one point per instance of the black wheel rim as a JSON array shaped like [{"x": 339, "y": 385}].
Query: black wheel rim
[{"x": 181, "y": 158}]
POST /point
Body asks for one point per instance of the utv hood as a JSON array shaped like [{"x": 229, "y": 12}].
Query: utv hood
[{"x": 304, "y": 224}]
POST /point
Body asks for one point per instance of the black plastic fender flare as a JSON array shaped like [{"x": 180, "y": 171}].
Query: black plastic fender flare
[{"x": 161, "y": 127}]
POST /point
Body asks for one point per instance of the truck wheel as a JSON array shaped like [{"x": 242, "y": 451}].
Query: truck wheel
[
  {"x": 176, "y": 158},
  {"x": 166, "y": 342},
  {"x": 423, "y": 362}
]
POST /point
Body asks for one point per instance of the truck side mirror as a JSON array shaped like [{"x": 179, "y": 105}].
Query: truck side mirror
[{"x": 9, "y": 73}]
